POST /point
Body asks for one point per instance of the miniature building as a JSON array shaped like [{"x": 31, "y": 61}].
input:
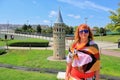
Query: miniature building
[{"x": 59, "y": 38}]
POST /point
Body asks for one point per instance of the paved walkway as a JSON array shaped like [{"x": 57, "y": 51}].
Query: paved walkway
[
  {"x": 107, "y": 48},
  {"x": 110, "y": 52}
]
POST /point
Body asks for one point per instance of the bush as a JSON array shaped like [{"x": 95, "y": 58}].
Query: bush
[
  {"x": 113, "y": 33},
  {"x": 30, "y": 44},
  {"x": 2, "y": 51}
]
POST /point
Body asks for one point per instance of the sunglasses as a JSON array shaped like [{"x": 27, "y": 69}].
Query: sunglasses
[{"x": 85, "y": 31}]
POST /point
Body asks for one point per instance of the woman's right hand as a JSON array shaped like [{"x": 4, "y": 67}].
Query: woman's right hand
[{"x": 67, "y": 78}]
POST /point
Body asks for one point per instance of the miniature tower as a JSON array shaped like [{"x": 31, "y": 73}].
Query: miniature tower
[{"x": 59, "y": 38}]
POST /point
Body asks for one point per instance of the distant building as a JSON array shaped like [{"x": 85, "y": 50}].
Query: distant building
[
  {"x": 94, "y": 31},
  {"x": 12, "y": 27}
]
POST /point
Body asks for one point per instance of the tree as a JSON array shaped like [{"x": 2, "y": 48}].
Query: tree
[
  {"x": 115, "y": 17},
  {"x": 110, "y": 27},
  {"x": 117, "y": 29},
  {"x": 29, "y": 27},
  {"x": 24, "y": 27},
  {"x": 66, "y": 29},
  {"x": 50, "y": 30},
  {"x": 39, "y": 29},
  {"x": 71, "y": 30},
  {"x": 102, "y": 31},
  {"x": 97, "y": 29},
  {"x": 18, "y": 30}
]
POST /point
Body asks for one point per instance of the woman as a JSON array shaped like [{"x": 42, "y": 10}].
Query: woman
[{"x": 83, "y": 60}]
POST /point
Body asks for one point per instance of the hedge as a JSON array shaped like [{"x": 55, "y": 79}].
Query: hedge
[{"x": 29, "y": 44}]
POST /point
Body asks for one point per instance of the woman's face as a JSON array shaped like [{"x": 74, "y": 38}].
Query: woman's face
[{"x": 83, "y": 33}]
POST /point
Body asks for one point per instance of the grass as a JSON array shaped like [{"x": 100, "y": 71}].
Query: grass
[
  {"x": 9, "y": 74},
  {"x": 110, "y": 65},
  {"x": 38, "y": 59},
  {"x": 31, "y": 58},
  {"x": 3, "y": 43},
  {"x": 28, "y": 40},
  {"x": 116, "y": 49},
  {"x": 108, "y": 38}
]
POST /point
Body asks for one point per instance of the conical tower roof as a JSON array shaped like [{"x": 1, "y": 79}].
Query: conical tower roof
[{"x": 59, "y": 17}]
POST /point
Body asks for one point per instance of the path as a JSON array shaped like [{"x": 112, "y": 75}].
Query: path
[{"x": 107, "y": 48}]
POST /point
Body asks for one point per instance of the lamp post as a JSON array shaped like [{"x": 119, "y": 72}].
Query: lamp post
[
  {"x": 50, "y": 23},
  {"x": 27, "y": 28},
  {"x": 86, "y": 20},
  {"x": 51, "y": 28},
  {"x": 6, "y": 38},
  {"x": 27, "y": 22},
  {"x": 7, "y": 26}
]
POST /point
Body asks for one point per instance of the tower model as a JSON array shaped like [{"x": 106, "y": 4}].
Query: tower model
[{"x": 59, "y": 38}]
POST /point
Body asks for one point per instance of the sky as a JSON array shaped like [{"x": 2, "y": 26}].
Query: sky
[{"x": 44, "y": 12}]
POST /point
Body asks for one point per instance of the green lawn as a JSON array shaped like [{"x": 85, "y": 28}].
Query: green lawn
[
  {"x": 117, "y": 49},
  {"x": 110, "y": 65},
  {"x": 38, "y": 59},
  {"x": 31, "y": 58},
  {"x": 108, "y": 38},
  {"x": 9, "y": 74},
  {"x": 3, "y": 42}
]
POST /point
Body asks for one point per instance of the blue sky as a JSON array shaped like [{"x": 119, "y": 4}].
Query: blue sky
[{"x": 74, "y": 12}]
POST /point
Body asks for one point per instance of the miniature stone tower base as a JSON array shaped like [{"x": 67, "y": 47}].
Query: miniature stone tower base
[{"x": 59, "y": 41}]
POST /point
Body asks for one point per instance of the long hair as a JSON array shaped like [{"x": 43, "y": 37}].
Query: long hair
[{"x": 77, "y": 37}]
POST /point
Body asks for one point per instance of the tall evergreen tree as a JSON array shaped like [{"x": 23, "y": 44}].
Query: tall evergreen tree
[
  {"x": 39, "y": 29},
  {"x": 24, "y": 27}
]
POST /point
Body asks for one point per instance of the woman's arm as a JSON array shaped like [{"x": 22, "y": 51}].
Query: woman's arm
[
  {"x": 68, "y": 69},
  {"x": 97, "y": 74}
]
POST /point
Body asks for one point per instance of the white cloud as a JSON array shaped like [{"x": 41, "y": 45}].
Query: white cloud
[
  {"x": 95, "y": 6},
  {"x": 52, "y": 13},
  {"x": 85, "y": 4},
  {"x": 34, "y": 17},
  {"x": 46, "y": 21},
  {"x": 74, "y": 16},
  {"x": 91, "y": 16},
  {"x": 34, "y": 2}
]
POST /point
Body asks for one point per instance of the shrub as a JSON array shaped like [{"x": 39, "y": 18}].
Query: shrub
[
  {"x": 30, "y": 44},
  {"x": 2, "y": 51}
]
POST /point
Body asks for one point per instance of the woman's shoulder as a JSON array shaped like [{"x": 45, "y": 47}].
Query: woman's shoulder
[{"x": 93, "y": 43}]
